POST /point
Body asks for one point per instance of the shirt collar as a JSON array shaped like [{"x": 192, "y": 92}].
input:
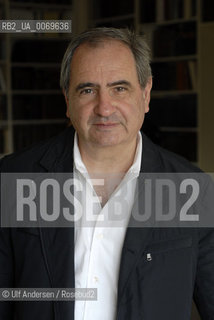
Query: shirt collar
[{"x": 134, "y": 169}]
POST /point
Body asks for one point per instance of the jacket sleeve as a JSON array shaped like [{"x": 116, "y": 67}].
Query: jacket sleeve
[
  {"x": 6, "y": 265},
  {"x": 204, "y": 284}
]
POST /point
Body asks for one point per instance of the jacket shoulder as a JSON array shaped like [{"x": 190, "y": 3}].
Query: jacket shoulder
[
  {"x": 168, "y": 161},
  {"x": 27, "y": 159},
  {"x": 176, "y": 162}
]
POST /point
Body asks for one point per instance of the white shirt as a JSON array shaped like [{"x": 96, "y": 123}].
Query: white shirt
[{"x": 98, "y": 247}]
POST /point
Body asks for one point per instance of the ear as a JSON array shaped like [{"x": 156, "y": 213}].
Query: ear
[
  {"x": 67, "y": 103},
  {"x": 147, "y": 94}
]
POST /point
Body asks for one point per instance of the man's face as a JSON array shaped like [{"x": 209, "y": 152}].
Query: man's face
[{"x": 105, "y": 102}]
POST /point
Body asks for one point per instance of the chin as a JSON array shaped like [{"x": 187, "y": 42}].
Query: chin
[{"x": 107, "y": 142}]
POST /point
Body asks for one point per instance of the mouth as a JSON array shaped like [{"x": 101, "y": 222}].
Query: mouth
[{"x": 106, "y": 125}]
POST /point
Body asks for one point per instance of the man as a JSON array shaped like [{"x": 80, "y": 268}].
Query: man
[{"x": 140, "y": 273}]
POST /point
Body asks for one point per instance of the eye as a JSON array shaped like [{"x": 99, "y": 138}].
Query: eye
[
  {"x": 86, "y": 91},
  {"x": 120, "y": 89}
]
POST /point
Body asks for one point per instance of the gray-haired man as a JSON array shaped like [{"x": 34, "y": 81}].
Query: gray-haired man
[{"x": 140, "y": 273}]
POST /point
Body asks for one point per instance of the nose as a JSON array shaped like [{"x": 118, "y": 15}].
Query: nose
[{"x": 105, "y": 104}]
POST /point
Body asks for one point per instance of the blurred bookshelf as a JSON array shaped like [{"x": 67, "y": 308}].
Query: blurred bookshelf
[
  {"x": 32, "y": 107},
  {"x": 173, "y": 30},
  {"x": 4, "y": 130},
  {"x": 174, "y": 65}
]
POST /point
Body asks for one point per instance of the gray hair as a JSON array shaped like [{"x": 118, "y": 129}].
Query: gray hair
[{"x": 94, "y": 37}]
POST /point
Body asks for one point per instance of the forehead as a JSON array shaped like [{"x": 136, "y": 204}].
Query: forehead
[{"x": 107, "y": 56}]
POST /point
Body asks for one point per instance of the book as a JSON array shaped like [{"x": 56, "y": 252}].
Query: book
[
  {"x": 192, "y": 74},
  {"x": 3, "y": 107},
  {"x": 182, "y": 76},
  {"x": 160, "y": 12},
  {"x": 187, "y": 9},
  {"x": 148, "y": 11},
  {"x": 6, "y": 140},
  {"x": 1, "y": 141},
  {"x": 173, "y": 9},
  {"x": 2, "y": 81}
]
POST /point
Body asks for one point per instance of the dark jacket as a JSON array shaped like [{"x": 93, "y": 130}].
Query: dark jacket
[{"x": 182, "y": 264}]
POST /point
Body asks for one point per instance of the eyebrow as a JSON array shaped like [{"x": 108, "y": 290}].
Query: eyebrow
[
  {"x": 83, "y": 85},
  {"x": 119, "y": 82}
]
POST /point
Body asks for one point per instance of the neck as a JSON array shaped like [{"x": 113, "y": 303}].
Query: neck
[
  {"x": 109, "y": 164},
  {"x": 106, "y": 160}
]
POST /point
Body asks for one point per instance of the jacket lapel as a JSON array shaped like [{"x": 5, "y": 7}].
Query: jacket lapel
[
  {"x": 137, "y": 239},
  {"x": 58, "y": 250},
  {"x": 58, "y": 243}
]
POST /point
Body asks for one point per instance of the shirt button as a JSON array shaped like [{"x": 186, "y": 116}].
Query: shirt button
[
  {"x": 100, "y": 236},
  {"x": 96, "y": 279}
]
